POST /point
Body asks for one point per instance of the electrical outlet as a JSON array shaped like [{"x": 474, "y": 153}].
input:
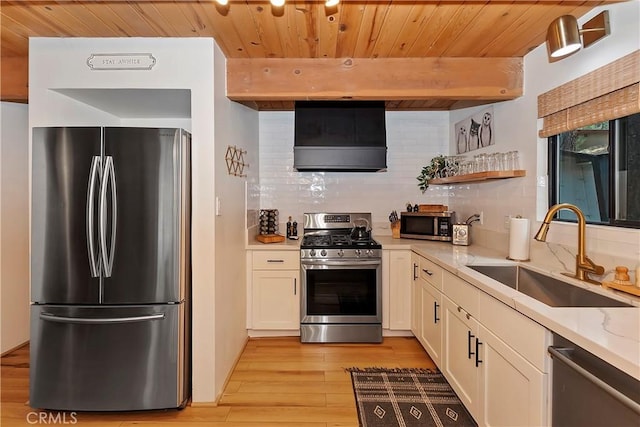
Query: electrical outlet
[
  {"x": 507, "y": 221},
  {"x": 481, "y": 218},
  {"x": 218, "y": 207}
]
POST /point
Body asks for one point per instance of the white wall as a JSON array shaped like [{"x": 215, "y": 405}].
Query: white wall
[
  {"x": 517, "y": 129},
  {"x": 61, "y": 64},
  {"x": 235, "y": 125},
  {"x": 14, "y": 225},
  {"x": 413, "y": 138}
]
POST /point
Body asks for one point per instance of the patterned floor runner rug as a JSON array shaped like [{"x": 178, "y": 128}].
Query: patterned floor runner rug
[{"x": 406, "y": 398}]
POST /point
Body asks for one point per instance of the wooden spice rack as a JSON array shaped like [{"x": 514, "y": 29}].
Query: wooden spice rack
[{"x": 478, "y": 176}]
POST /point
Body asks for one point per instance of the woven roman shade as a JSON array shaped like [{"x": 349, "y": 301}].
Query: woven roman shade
[{"x": 607, "y": 93}]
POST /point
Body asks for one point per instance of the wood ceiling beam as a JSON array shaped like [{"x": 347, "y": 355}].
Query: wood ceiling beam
[
  {"x": 282, "y": 79},
  {"x": 14, "y": 84}
]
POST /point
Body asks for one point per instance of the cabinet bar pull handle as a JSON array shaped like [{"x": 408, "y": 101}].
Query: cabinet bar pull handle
[
  {"x": 275, "y": 260},
  {"x": 427, "y": 271},
  {"x": 415, "y": 271},
  {"x": 295, "y": 286},
  {"x": 435, "y": 312},
  {"x": 478, "y": 344},
  {"x": 470, "y": 336},
  {"x": 459, "y": 309}
]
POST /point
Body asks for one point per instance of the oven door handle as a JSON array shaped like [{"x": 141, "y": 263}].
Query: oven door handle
[{"x": 355, "y": 264}]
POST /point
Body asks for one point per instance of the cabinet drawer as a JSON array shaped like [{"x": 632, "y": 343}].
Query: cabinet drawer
[
  {"x": 276, "y": 260},
  {"x": 431, "y": 272},
  {"x": 461, "y": 293}
]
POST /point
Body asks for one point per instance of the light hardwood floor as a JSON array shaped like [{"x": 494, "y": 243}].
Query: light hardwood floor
[{"x": 278, "y": 382}]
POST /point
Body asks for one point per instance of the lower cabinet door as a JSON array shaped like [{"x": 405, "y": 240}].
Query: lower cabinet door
[
  {"x": 459, "y": 355},
  {"x": 276, "y": 299},
  {"x": 514, "y": 391},
  {"x": 431, "y": 303},
  {"x": 400, "y": 281}
]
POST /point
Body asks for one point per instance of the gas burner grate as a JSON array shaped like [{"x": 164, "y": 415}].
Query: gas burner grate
[{"x": 340, "y": 240}]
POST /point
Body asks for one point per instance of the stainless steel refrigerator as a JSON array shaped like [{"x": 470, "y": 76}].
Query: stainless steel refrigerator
[{"x": 110, "y": 268}]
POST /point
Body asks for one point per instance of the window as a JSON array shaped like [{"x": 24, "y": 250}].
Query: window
[{"x": 597, "y": 168}]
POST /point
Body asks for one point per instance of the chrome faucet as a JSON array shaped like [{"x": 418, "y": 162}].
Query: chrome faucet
[{"x": 584, "y": 265}]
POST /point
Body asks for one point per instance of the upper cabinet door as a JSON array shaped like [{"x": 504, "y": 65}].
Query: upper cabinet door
[
  {"x": 145, "y": 233},
  {"x": 63, "y": 206}
]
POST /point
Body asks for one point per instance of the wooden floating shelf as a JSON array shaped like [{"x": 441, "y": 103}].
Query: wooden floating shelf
[{"x": 478, "y": 176}]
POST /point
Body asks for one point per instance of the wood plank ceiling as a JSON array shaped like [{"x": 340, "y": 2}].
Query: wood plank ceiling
[{"x": 374, "y": 34}]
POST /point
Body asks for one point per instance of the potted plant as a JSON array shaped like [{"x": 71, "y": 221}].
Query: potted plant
[{"x": 430, "y": 171}]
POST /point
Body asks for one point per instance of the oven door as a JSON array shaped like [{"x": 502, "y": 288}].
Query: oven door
[{"x": 338, "y": 292}]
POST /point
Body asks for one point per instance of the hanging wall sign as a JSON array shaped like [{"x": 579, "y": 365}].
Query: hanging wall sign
[{"x": 121, "y": 61}]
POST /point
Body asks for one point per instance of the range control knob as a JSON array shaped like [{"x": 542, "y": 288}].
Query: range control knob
[
  {"x": 369, "y": 252},
  {"x": 312, "y": 252},
  {"x": 340, "y": 253},
  {"x": 357, "y": 252},
  {"x": 323, "y": 252}
]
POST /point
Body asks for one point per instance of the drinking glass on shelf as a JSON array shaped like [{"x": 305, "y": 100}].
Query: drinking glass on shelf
[
  {"x": 479, "y": 163},
  {"x": 514, "y": 160},
  {"x": 493, "y": 162},
  {"x": 504, "y": 161}
]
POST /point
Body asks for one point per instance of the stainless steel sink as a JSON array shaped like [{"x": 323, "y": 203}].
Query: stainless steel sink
[{"x": 546, "y": 289}]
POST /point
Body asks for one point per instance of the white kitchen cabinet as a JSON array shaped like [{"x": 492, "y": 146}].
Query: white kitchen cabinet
[
  {"x": 459, "y": 354},
  {"x": 514, "y": 374},
  {"x": 513, "y": 389},
  {"x": 431, "y": 319},
  {"x": 400, "y": 281},
  {"x": 275, "y": 290},
  {"x": 493, "y": 357},
  {"x": 426, "y": 323}
]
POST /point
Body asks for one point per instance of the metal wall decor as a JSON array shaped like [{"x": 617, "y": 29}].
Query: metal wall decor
[{"x": 235, "y": 161}]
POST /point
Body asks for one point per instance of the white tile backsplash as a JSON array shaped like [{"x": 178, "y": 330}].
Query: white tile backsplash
[{"x": 413, "y": 139}]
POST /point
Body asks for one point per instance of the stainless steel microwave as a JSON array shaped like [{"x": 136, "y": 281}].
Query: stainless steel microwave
[{"x": 427, "y": 225}]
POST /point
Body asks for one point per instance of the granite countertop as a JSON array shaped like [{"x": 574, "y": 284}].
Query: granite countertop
[{"x": 611, "y": 333}]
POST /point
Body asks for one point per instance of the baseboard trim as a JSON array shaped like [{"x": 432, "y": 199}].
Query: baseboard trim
[
  {"x": 226, "y": 381},
  {"x": 14, "y": 348}
]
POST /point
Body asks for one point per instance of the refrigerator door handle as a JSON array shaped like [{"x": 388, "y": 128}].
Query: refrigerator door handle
[
  {"x": 109, "y": 177},
  {"x": 95, "y": 173},
  {"x": 107, "y": 320}
]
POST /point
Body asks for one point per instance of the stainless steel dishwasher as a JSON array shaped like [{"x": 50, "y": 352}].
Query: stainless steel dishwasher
[{"x": 587, "y": 391}]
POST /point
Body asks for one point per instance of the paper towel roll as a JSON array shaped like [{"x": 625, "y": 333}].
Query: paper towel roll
[{"x": 519, "y": 239}]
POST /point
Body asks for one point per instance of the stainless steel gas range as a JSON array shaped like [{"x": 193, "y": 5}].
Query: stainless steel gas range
[{"x": 341, "y": 292}]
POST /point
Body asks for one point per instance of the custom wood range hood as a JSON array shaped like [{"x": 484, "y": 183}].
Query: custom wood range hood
[{"x": 413, "y": 54}]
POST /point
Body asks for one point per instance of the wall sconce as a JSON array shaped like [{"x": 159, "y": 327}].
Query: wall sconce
[
  {"x": 563, "y": 35},
  {"x": 277, "y": 3}
]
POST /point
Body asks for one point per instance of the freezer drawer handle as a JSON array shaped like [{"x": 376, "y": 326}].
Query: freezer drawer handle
[
  {"x": 88, "y": 320},
  {"x": 557, "y": 352},
  {"x": 94, "y": 173},
  {"x": 109, "y": 177}
]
